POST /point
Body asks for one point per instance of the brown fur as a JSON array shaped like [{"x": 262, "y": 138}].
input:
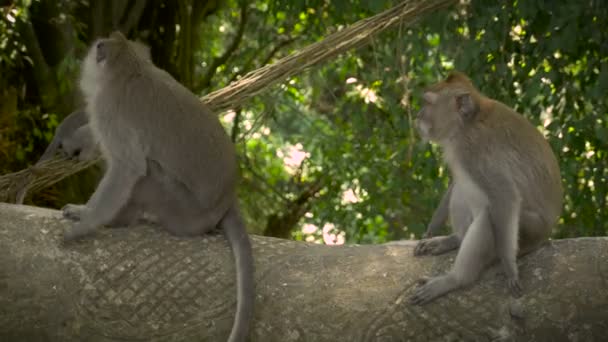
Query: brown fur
[{"x": 506, "y": 194}]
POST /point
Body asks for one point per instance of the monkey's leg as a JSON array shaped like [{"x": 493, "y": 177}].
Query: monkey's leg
[
  {"x": 437, "y": 245},
  {"x": 128, "y": 215},
  {"x": 175, "y": 207},
  {"x": 475, "y": 253},
  {"x": 112, "y": 194},
  {"x": 182, "y": 215},
  {"x": 505, "y": 211},
  {"x": 533, "y": 232}
]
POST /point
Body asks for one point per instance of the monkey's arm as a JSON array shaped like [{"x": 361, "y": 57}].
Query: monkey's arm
[
  {"x": 440, "y": 216},
  {"x": 112, "y": 195}
]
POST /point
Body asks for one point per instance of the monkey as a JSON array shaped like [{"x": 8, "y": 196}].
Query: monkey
[
  {"x": 505, "y": 196},
  {"x": 72, "y": 137},
  {"x": 166, "y": 153},
  {"x": 80, "y": 144}
]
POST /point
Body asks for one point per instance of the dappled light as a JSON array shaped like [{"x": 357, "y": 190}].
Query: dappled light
[{"x": 335, "y": 144}]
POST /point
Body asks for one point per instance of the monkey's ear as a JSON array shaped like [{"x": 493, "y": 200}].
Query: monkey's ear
[
  {"x": 430, "y": 97},
  {"x": 466, "y": 106},
  {"x": 118, "y": 36}
]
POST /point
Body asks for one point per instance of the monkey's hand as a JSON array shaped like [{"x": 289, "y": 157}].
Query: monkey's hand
[
  {"x": 74, "y": 212},
  {"x": 513, "y": 282},
  {"x": 79, "y": 230},
  {"x": 437, "y": 245}
]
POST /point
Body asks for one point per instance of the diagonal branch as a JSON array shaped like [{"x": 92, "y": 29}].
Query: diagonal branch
[
  {"x": 354, "y": 36},
  {"x": 255, "y": 82},
  {"x": 206, "y": 81}
]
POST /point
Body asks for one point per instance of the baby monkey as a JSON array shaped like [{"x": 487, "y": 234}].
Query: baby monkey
[
  {"x": 72, "y": 139},
  {"x": 167, "y": 154},
  {"x": 505, "y": 194}
]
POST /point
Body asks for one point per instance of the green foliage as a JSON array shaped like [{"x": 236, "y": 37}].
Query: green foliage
[
  {"x": 530, "y": 56},
  {"x": 340, "y": 136}
]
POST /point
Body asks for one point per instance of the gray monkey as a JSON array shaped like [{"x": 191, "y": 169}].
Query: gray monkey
[
  {"x": 166, "y": 153},
  {"x": 73, "y": 139},
  {"x": 506, "y": 193}
]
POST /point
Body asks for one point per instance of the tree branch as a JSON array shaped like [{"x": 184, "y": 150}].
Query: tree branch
[
  {"x": 206, "y": 81},
  {"x": 266, "y": 60},
  {"x": 333, "y": 45},
  {"x": 281, "y": 224},
  {"x": 42, "y": 72},
  {"x": 132, "y": 16},
  {"x": 141, "y": 284}
]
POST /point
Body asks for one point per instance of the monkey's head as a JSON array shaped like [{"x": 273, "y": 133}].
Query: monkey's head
[
  {"x": 445, "y": 113},
  {"x": 111, "y": 56}
]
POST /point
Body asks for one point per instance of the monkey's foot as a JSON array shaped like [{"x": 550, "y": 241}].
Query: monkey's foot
[
  {"x": 73, "y": 212},
  {"x": 431, "y": 288},
  {"x": 79, "y": 230},
  {"x": 436, "y": 245},
  {"x": 515, "y": 287}
]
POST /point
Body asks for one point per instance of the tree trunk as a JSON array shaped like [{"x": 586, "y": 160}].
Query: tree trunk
[{"x": 140, "y": 284}]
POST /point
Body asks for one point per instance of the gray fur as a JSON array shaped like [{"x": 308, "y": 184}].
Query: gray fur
[
  {"x": 506, "y": 192},
  {"x": 167, "y": 154},
  {"x": 80, "y": 144},
  {"x": 72, "y": 139}
]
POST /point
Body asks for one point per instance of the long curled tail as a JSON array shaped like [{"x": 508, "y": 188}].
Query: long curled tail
[{"x": 234, "y": 228}]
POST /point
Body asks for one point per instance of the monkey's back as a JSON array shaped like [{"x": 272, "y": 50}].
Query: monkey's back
[
  {"x": 529, "y": 156},
  {"x": 156, "y": 116}
]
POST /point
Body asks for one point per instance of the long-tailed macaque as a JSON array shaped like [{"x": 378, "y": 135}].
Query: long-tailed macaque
[
  {"x": 167, "y": 154},
  {"x": 73, "y": 139},
  {"x": 506, "y": 194}
]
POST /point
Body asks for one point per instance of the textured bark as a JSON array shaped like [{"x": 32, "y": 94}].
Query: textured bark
[{"x": 141, "y": 284}]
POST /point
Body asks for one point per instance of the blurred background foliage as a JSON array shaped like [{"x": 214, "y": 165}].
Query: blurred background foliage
[{"x": 329, "y": 155}]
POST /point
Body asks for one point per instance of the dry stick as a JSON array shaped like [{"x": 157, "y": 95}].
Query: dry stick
[
  {"x": 333, "y": 45},
  {"x": 14, "y": 185}
]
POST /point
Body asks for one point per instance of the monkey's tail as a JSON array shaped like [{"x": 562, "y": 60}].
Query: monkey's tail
[{"x": 234, "y": 228}]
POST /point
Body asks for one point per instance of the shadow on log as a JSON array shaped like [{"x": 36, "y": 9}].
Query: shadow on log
[{"x": 140, "y": 284}]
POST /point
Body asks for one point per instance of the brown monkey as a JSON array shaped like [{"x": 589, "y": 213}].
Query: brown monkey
[
  {"x": 506, "y": 192},
  {"x": 167, "y": 154}
]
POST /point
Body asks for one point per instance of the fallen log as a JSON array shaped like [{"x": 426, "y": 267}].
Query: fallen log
[{"x": 140, "y": 284}]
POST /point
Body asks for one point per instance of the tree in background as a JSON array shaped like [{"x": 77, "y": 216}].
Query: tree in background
[{"x": 331, "y": 155}]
